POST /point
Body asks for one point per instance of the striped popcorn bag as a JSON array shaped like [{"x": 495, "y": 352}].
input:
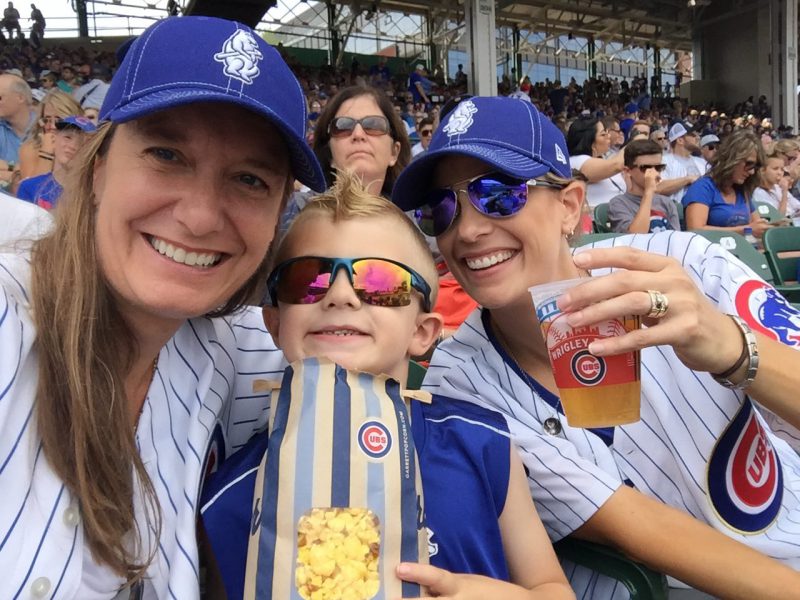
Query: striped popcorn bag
[{"x": 338, "y": 498}]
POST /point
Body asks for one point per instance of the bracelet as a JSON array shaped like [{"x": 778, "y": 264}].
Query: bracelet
[{"x": 749, "y": 355}]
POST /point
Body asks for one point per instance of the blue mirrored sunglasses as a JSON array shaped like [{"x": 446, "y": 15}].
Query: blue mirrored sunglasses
[{"x": 493, "y": 194}]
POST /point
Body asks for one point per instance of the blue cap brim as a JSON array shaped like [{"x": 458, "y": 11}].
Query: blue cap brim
[
  {"x": 415, "y": 181},
  {"x": 305, "y": 167}
]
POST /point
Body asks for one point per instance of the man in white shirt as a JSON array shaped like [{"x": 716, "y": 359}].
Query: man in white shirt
[{"x": 682, "y": 170}]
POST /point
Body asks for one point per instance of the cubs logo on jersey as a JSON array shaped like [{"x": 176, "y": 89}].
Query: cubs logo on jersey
[
  {"x": 745, "y": 480},
  {"x": 766, "y": 311}
]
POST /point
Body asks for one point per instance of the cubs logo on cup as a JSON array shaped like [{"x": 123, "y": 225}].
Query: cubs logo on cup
[
  {"x": 766, "y": 311},
  {"x": 745, "y": 477},
  {"x": 588, "y": 368},
  {"x": 374, "y": 439}
]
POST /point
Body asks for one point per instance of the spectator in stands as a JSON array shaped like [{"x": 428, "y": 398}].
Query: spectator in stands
[
  {"x": 461, "y": 77},
  {"x": 425, "y": 131},
  {"x": 360, "y": 131},
  {"x": 37, "y": 26},
  {"x": 774, "y": 185},
  {"x": 659, "y": 136},
  {"x": 69, "y": 79},
  {"x": 558, "y": 96},
  {"x": 630, "y": 117},
  {"x": 379, "y": 74},
  {"x": 11, "y": 21},
  {"x": 708, "y": 152},
  {"x": 16, "y": 119},
  {"x": 45, "y": 190},
  {"x": 36, "y": 152},
  {"x": 723, "y": 199},
  {"x": 420, "y": 86},
  {"x": 92, "y": 93},
  {"x": 47, "y": 80},
  {"x": 588, "y": 141},
  {"x": 616, "y": 138},
  {"x": 640, "y": 209},
  {"x": 682, "y": 169},
  {"x": 92, "y": 114}
]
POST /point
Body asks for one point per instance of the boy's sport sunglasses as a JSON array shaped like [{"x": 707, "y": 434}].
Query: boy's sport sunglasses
[
  {"x": 492, "y": 194},
  {"x": 376, "y": 281}
]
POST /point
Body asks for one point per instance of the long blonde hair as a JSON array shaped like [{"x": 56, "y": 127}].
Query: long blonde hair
[
  {"x": 85, "y": 352},
  {"x": 64, "y": 106}
]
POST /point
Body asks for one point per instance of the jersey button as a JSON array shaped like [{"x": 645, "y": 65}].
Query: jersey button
[
  {"x": 40, "y": 587},
  {"x": 72, "y": 516}
]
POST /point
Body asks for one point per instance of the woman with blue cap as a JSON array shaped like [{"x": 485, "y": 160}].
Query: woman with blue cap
[
  {"x": 122, "y": 346},
  {"x": 495, "y": 189}
]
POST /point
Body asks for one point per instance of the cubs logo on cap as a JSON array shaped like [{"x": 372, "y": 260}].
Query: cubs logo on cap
[
  {"x": 766, "y": 311},
  {"x": 374, "y": 439},
  {"x": 745, "y": 477}
]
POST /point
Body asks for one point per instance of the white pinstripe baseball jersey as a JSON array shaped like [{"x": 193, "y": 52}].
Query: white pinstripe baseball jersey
[
  {"x": 699, "y": 446},
  {"x": 201, "y": 395}
]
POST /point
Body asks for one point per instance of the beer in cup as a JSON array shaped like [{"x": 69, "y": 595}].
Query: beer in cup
[{"x": 595, "y": 391}]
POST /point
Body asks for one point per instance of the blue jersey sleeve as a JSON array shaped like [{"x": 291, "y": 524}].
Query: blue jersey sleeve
[
  {"x": 226, "y": 511},
  {"x": 701, "y": 191}
]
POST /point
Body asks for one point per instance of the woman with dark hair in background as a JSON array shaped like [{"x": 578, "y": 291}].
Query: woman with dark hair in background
[
  {"x": 587, "y": 141},
  {"x": 357, "y": 130},
  {"x": 723, "y": 198}
]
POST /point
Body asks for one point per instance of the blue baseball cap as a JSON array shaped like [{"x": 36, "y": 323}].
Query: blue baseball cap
[
  {"x": 631, "y": 107},
  {"x": 510, "y": 135},
  {"x": 78, "y": 122},
  {"x": 183, "y": 60}
]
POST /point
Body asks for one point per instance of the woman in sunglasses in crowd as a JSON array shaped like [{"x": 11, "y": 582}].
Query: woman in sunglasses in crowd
[
  {"x": 495, "y": 190},
  {"x": 125, "y": 350},
  {"x": 588, "y": 141},
  {"x": 722, "y": 199},
  {"x": 360, "y": 131},
  {"x": 36, "y": 152}
]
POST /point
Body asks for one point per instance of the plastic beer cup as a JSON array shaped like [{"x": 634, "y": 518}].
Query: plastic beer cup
[{"x": 595, "y": 391}]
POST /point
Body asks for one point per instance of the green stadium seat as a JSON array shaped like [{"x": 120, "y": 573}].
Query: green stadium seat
[{"x": 601, "y": 223}]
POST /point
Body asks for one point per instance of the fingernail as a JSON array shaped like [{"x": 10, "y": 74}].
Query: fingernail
[
  {"x": 402, "y": 569},
  {"x": 596, "y": 348},
  {"x": 581, "y": 259}
]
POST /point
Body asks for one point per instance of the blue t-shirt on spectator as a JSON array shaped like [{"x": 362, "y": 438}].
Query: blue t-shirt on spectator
[
  {"x": 720, "y": 213},
  {"x": 41, "y": 190},
  {"x": 10, "y": 141}
]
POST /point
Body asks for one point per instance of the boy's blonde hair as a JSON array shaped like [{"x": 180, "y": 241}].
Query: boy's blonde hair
[{"x": 348, "y": 199}]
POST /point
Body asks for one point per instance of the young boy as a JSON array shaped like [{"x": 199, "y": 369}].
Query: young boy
[
  {"x": 774, "y": 187},
  {"x": 641, "y": 209},
  {"x": 479, "y": 514}
]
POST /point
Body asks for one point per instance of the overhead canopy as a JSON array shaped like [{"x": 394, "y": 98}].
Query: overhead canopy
[
  {"x": 665, "y": 23},
  {"x": 249, "y": 12}
]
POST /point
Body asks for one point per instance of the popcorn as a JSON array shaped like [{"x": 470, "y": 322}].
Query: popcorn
[
  {"x": 337, "y": 554},
  {"x": 338, "y": 498}
]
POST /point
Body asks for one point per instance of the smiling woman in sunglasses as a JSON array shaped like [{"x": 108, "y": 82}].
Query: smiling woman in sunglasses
[
  {"x": 495, "y": 190},
  {"x": 723, "y": 198}
]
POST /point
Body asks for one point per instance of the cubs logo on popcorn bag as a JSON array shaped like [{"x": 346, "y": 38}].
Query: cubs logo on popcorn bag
[
  {"x": 767, "y": 312},
  {"x": 338, "y": 497},
  {"x": 745, "y": 479}
]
